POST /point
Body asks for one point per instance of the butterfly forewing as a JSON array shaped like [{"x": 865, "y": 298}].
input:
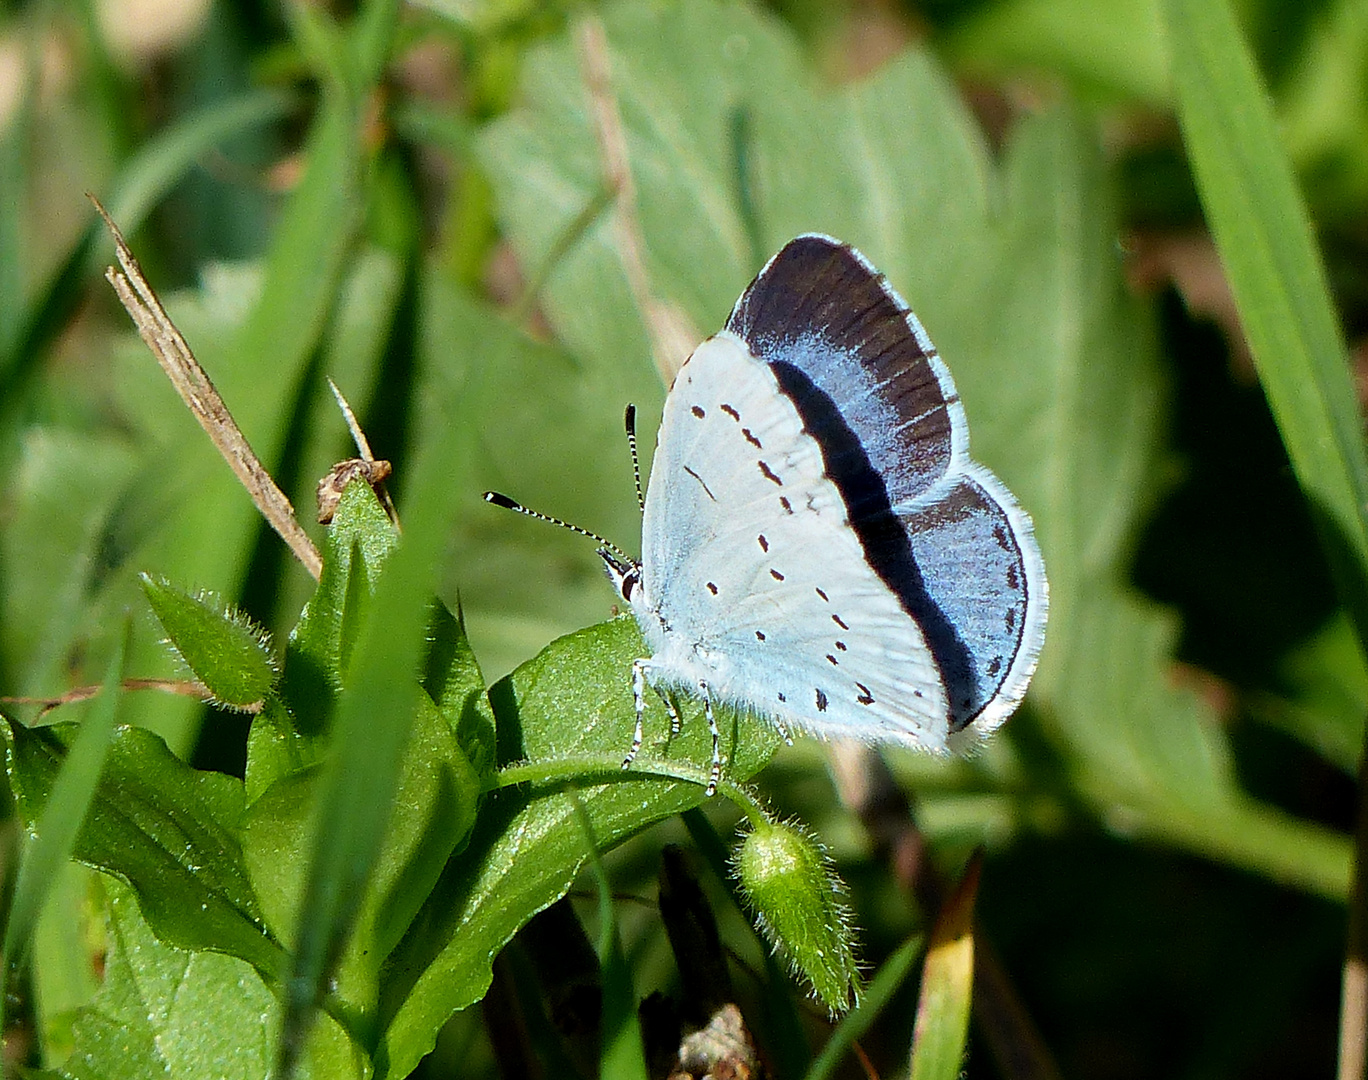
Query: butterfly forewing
[{"x": 754, "y": 581}]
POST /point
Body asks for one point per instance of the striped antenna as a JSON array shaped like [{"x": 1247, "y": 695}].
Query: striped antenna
[
  {"x": 629, "y": 419},
  {"x": 504, "y": 501}
]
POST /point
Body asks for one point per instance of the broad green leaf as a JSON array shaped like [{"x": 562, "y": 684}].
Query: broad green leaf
[
  {"x": 59, "y": 820},
  {"x": 65, "y": 487},
  {"x": 571, "y": 704},
  {"x": 167, "y": 830},
  {"x": 434, "y": 809},
  {"x": 1261, "y": 228},
  {"x": 165, "y": 1011},
  {"x": 373, "y": 723},
  {"x": 225, "y": 650}
]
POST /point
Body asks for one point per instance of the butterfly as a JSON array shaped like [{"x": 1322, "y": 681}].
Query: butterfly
[{"x": 818, "y": 547}]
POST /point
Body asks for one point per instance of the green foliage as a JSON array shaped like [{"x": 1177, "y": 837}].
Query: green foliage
[
  {"x": 229, "y": 655},
  {"x": 358, "y": 857}
]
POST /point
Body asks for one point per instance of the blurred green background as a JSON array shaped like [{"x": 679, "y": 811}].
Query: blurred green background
[{"x": 1166, "y": 819}]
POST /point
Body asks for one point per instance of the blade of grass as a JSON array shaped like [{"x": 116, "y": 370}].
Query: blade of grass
[
  {"x": 876, "y": 995},
  {"x": 1262, "y": 230},
  {"x": 1264, "y": 235},
  {"x": 947, "y": 985},
  {"x": 623, "y": 1056}
]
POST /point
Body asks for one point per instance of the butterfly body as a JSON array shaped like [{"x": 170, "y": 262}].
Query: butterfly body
[{"x": 817, "y": 545}]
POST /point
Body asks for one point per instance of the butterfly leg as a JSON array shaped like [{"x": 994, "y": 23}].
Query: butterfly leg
[
  {"x": 716, "y": 774},
  {"x": 639, "y": 699},
  {"x": 674, "y": 713}
]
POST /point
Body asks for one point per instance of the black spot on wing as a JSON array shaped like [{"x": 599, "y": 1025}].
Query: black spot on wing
[
  {"x": 883, "y": 538},
  {"x": 712, "y": 588},
  {"x": 821, "y": 700},
  {"x": 759, "y": 635},
  {"x": 776, "y": 575},
  {"x": 769, "y": 473},
  {"x": 731, "y": 412},
  {"x": 840, "y": 622},
  {"x": 751, "y": 438},
  {"x": 764, "y": 544},
  {"x": 698, "y": 412}
]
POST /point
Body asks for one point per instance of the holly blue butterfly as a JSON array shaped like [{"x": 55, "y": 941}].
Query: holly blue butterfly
[{"x": 817, "y": 545}]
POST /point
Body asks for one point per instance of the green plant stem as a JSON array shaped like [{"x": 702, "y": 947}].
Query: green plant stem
[{"x": 601, "y": 769}]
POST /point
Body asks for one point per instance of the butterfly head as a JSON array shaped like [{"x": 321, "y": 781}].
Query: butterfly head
[{"x": 625, "y": 574}]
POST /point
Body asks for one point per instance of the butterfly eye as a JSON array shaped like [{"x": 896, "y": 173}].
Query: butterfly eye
[{"x": 631, "y": 581}]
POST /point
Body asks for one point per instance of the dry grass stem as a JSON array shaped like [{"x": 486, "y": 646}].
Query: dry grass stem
[
  {"x": 197, "y": 391},
  {"x": 672, "y": 336},
  {"x": 184, "y": 687}
]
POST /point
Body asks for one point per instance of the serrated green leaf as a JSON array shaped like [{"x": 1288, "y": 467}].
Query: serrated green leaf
[
  {"x": 167, "y": 830},
  {"x": 574, "y": 699},
  {"x": 227, "y": 653}
]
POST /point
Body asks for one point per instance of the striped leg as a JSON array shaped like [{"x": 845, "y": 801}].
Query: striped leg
[
  {"x": 639, "y": 699},
  {"x": 716, "y": 774}
]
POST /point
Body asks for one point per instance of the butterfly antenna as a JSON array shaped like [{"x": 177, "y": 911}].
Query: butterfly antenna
[
  {"x": 504, "y": 501},
  {"x": 629, "y": 420}
]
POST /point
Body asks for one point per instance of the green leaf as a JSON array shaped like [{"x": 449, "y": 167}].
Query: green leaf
[
  {"x": 571, "y": 710},
  {"x": 434, "y": 809},
  {"x": 60, "y": 819},
  {"x": 167, "y": 830},
  {"x": 375, "y": 713},
  {"x": 359, "y": 541},
  {"x": 1263, "y": 233},
  {"x": 225, "y": 650},
  {"x": 165, "y": 1011},
  {"x": 453, "y": 680}
]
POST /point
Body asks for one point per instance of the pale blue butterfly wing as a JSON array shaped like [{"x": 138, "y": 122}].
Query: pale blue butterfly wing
[
  {"x": 817, "y": 544},
  {"x": 752, "y": 585}
]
